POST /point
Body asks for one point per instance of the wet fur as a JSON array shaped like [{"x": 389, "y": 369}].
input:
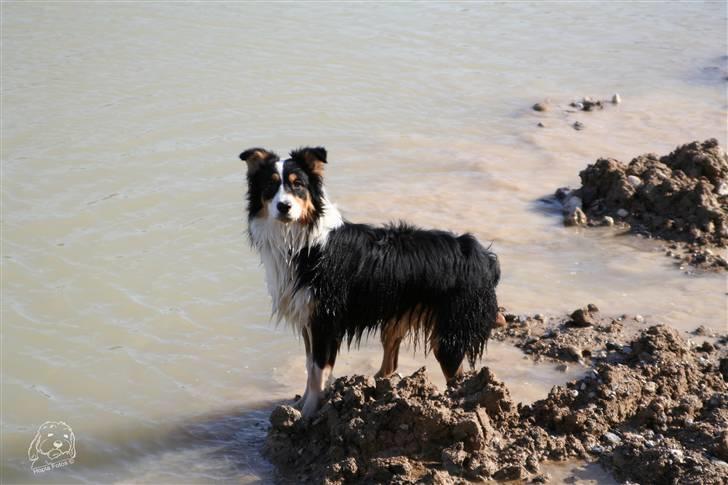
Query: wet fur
[{"x": 337, "y": 281}]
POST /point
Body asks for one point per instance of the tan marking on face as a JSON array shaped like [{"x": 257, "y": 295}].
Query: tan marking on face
[
  {"x": 292, "y": 178},
  {"x": 255, "y": 159},
  {"x": 307, "y": 209},
  {"x": 276, "y": 177}
]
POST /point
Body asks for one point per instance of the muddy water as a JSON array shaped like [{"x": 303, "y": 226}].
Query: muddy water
[{"x": 132, "y": 307}]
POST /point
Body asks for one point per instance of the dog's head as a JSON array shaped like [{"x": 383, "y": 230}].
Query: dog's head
[
  {"x": 54, "y": 440},
  {"x": 288, "y": 191}
]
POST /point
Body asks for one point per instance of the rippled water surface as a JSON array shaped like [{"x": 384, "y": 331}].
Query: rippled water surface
[{"x": 132, "y": 306}]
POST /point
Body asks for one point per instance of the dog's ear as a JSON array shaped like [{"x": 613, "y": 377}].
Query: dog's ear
[
  {"x": 313, "y": 158},
  {"x": 33, "y": 448},
  {"x": 255, "y": 157}
]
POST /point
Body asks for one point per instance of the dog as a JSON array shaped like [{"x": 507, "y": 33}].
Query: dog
[
  {"x": 53, "y": 443},
  {"x": 337, "y": 281}
]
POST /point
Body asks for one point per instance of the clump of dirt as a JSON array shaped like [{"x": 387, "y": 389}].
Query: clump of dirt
[
  {"x": 584, "y": 336},
  {"x": 681, "y": 197},
  {"x": 659, "y": 413}
]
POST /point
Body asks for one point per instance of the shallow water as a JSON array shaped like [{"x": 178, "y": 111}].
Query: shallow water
[{"x": 132, "y": 306}]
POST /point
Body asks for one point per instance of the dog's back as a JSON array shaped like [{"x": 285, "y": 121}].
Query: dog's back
[{"x": 437, "y": 285}]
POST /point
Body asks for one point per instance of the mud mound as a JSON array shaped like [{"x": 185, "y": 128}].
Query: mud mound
[
  {"x": 681, "y": 197},
  {"x": 658, "y": 415}
]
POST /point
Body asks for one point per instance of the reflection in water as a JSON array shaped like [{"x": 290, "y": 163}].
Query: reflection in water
[{"x": 132, "y": 305}]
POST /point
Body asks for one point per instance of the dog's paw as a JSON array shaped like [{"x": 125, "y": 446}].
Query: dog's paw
[{"x": 310, "y": 408}]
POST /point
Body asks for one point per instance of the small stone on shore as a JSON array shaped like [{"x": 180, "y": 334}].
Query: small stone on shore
[
  {"x": 578, "y": 125},
  {"x": 616, "y": 99}
]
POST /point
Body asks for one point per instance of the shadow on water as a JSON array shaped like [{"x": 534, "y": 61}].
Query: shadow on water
[{"x": 225, "y": 444}]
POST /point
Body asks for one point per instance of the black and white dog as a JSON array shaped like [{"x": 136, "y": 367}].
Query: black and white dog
[{"x": 337, "y": 281}]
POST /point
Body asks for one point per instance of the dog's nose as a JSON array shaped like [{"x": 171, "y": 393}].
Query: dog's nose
[
  {"x": 58, "y": 444},
  {"x": 284, "y": 207}
]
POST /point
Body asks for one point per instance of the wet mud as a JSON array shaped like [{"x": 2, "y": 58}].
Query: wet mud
[
  {"x": 652, "y": 408},
  {"x": 681, "y": 198}
]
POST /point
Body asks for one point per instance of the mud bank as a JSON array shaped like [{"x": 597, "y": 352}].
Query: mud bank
[
  {"x": 681, "y": 197},
  {"x": 655, "y": 411}
]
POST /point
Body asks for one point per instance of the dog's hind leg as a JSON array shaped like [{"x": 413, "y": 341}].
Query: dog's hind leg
[
  {"x": 451, "y": 361},
  {"x": 306, "y": 333},
  {"x": 392, "y": 337}
]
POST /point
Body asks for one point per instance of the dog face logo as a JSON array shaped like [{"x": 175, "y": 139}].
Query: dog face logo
[{"x": 54, "y": 445}]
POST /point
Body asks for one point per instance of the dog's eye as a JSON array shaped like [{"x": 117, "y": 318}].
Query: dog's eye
[{"x": 297, "y": 184}]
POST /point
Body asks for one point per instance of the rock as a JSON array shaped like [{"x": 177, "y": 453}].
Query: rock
[
  {"x": 639, "y": 318},
  {"x": 634, "y": 181},
  {"x": 578, "y": 125},
  {"x": 581, "y": 318},
  {"x": 572, "y": 203},
  {"x": 284, "y": 417},
  {"x": 622, "y": 213},
  {"x": 540, "y": 125},
  {"x": 616, "y": 98},
  {"x": 612, "y": 439},
  {"x": 702, "y": 330},
  {"x": 575, "y": 218},
  {"x": 592, "y": 308},
  {"x": 572, "y": 352},
  {"x": 510, "y": 473},
  {"x": 722, "y": 189},
  {"x": 589, "y": 104},
  {"x": 543, "y": 106},
  {"x": 607, "y": 221},
  {"x": 562, "y": 193}
]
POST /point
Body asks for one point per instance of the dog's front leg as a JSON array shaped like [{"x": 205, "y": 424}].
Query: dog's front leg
[
  {"x": 324, "y": 348},
  {"x": 306, "y": 333}
]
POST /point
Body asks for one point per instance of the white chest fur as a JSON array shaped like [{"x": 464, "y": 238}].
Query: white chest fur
[{"x": 277, "y": 244}]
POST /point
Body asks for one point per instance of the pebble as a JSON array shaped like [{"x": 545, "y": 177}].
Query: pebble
[
  {"x": 562, "y": 367},
  {"x": 608, "y": 221},
  {"x": 622, "y": 213},
  {"x": 572, "y": 203},
  {"x": 650, "y": 386},
  {"x": 573, "y": 352},
  {"x": 575, "y": 218},
  {"x": 612, "y": 438},
  {"x": 541, "y": 125},
  {"x": 540, "y": 317},
  {"x": 723, "y": 188},
  {"x": 616, "y": 98},
  {"x": 578, "y": 125},
  {"x": 634, "y": 181},
  {"x": 540, "y": 106},
  {"x": 639, "y": 318},
  {"x": 677, "y": 454}
]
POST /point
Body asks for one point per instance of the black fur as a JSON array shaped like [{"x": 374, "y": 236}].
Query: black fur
[{"x": 366, "y": 278}]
